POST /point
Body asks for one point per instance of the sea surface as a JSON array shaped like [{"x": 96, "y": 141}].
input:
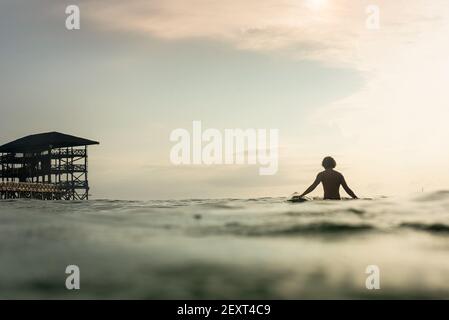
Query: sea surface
[{"x": 265, "y": 248}]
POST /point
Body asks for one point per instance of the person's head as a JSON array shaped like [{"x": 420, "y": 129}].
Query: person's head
[{"x": 329, "y": 163}]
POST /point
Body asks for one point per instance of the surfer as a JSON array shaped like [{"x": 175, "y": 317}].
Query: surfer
[{"x": 331, "y": 181}]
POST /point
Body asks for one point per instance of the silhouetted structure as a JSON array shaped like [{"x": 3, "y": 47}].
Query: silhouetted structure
[{"x": 49, "y": 165}]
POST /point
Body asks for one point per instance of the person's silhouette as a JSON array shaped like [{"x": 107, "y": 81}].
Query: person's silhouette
[{"x": 331, "y": 181}]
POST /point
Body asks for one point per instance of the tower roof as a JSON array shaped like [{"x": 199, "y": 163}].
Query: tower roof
[{"x": 44, "y": 141}]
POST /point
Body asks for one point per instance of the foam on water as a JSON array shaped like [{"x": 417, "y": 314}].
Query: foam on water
[{"x": 226, "y": 248}]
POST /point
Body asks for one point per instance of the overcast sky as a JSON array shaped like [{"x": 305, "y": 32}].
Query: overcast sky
[{"x": 377, "y": 100}]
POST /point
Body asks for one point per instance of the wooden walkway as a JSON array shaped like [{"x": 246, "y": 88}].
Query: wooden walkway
[{"x": 17, "y": 190}]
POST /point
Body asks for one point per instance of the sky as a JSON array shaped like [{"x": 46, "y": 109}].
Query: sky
[{"x": 375, "y": 99}]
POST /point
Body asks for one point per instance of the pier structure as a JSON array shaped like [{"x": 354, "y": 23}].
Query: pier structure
[{"x": 49, "y": 166}]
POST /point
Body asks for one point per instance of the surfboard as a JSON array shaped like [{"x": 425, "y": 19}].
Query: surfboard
[{"x": 297, "y": 199}]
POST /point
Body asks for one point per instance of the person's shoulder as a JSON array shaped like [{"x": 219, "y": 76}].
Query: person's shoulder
[
  {"x": 338, "y": 174},
  {"x": 320, "y": 174}
]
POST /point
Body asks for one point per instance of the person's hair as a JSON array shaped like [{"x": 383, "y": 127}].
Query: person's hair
[{"x": 329, "y": 163}]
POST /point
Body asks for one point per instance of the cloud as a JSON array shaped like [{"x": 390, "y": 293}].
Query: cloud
[{"x": 334, "y": 32}]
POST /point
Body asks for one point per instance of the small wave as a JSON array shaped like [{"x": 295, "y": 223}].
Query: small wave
[
  {"x": 323, "y": 228},
  {"x": 434, "y": 196},
  {"x": 433, "y": 228},
  {"x": 325, "y": 212},
  {"x": 222, "y": 206}
]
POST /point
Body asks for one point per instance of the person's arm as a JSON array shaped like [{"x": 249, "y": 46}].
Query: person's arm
[
  {"x": 312, "y": 186},
  {"x": 347, "y": 189}
]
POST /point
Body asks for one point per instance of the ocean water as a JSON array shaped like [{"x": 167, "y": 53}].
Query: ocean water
[{"x": 262, "y": 248}]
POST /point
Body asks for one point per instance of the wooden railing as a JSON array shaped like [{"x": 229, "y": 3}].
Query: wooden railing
[{"x": 29, "y": 187}]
